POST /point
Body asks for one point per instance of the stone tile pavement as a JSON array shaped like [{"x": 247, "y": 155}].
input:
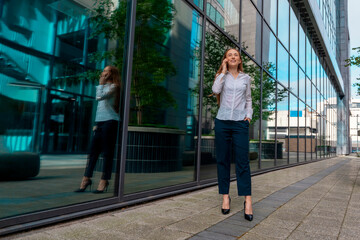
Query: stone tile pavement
[{"x": 319, "y": 200}]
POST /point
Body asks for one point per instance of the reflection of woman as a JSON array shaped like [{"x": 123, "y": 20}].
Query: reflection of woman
[
  {"x": 232, "y": 128},
  {"x": 104, "y": 134}
]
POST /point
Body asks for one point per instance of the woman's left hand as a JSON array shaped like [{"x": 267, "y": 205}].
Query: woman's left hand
[
  {"x": 103, "y": 78},
  {"x": 247, "y": 119}
]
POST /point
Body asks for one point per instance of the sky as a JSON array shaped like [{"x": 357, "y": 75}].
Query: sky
[{"x": 353, "y": 11}]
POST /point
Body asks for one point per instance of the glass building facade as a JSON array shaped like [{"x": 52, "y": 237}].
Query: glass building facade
[{"x": 168, "y": 51}]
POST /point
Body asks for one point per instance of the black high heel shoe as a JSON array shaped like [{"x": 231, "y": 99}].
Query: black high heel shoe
[
  {"x": 248, "y": 217},
  {"x": 88, "y": 183},
  {"x": 105, "y": 188},
  {"x": 226, "y": 211}
]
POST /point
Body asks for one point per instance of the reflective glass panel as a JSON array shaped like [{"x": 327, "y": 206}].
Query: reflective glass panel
[
  {"x": 313, "y": 66},
  {"x": 333, "y": 143},
  {"x": 162, "y": 132},
  {"x": 282, "y": 126},
  {"x": 283, "y": 66},
  {"x": 320, "y": 147},
  {"x": 323, "y": 84},
  {"x": 251, "y": 30},
  {"x": 318, "y": 144},
  {"x": 294, "y": 28},
  {"x": 323, "y": 137},
  {"x": 301, "y": 47},
  {"x": 323, "y": 107},
  {"x": 310, "y": 155},
  {"x": 258, "y": 4},
  {"x": 308, "y": 92},
  {"x": 33, "y": 25},
  {"x": 70, "y": 124},
  {"x": 319, "y": 75},
  {"x": 303, "y": 140},
  {"x": 308, "y": 57},
  {"x": 314, "y": 130},
  {"x": 225, "y": 14},
  {"x": 22, "y": 69},
  {"x": 70, "y": 49},
  {"x": 293, "y": 129},
  {"x": 294, "y": 77},
  {"x": 320, "y": 102},
  {"x": 56, "y": 131},
  {"x": 270, "y": 13},
  {"x": 200, "y": 3},
  {"x": 302, "y": 86},
  {"x": 269, "y": 51},
  {"x": 254, "y": 129},
  {"x": 313, "y": 96},
  {"x": 283, "y": 22},
  {"x": 326, "y": 91},
  {"x": 331, "y": 99},
  {"x": 68, "y": 77},
  {"x": 335, "y": 132},
  {"x": 268, "y": 144},
  {"x": 328, "y": 146}
]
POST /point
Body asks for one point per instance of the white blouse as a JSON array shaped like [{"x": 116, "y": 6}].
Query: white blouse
[
  {"x": 105, "y": 95},
  {"x": 235, "y": 98}
]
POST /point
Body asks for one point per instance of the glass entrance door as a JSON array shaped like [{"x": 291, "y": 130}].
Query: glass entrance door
[
  {"x": 69, "y": 124},
  {"x": 62, "y": 124}
]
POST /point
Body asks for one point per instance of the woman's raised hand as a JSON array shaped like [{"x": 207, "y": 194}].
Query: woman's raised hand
[
  {"x": 102, "y": 79},
  {"x": 224, "y": 66}
]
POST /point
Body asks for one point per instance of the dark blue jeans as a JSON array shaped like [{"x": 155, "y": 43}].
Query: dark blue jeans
[
  {"x": 233, "y": 137},
  {"x": 103, "y": 141}
]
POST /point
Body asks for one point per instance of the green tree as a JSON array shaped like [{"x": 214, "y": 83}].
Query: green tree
[
  {"x": 355, "y": 61},
  {"x": 151, "y": 65}
]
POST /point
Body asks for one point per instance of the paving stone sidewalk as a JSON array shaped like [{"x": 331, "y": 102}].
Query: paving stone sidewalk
[{"x": 319, "y": 200}]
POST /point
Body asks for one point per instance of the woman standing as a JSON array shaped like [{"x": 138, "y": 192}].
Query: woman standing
[
  {"x": 104, "y": 132},
  {"x": 232, "y": 128}
]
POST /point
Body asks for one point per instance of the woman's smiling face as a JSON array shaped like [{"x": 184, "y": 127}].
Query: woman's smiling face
[{"x": 233, "y": 58}]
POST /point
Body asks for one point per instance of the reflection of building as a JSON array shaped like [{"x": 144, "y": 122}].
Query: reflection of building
[
  {"x": 355, "y": 123},
  {"x": 48, "y": 104},
  {"x": 52, "y": 50},
  {"x": 251, "y": 34},
  {"x": 225, "y": 13},
  {"x": 302, "y": 126}
]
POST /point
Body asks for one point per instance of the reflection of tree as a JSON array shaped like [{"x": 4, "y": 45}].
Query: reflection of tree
[
  {"x": 355, "y": 61},
  {"x": 216, "y": 44},
  {"x": 268, "y": 92},
  {"x": 151, "y": 67}
]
